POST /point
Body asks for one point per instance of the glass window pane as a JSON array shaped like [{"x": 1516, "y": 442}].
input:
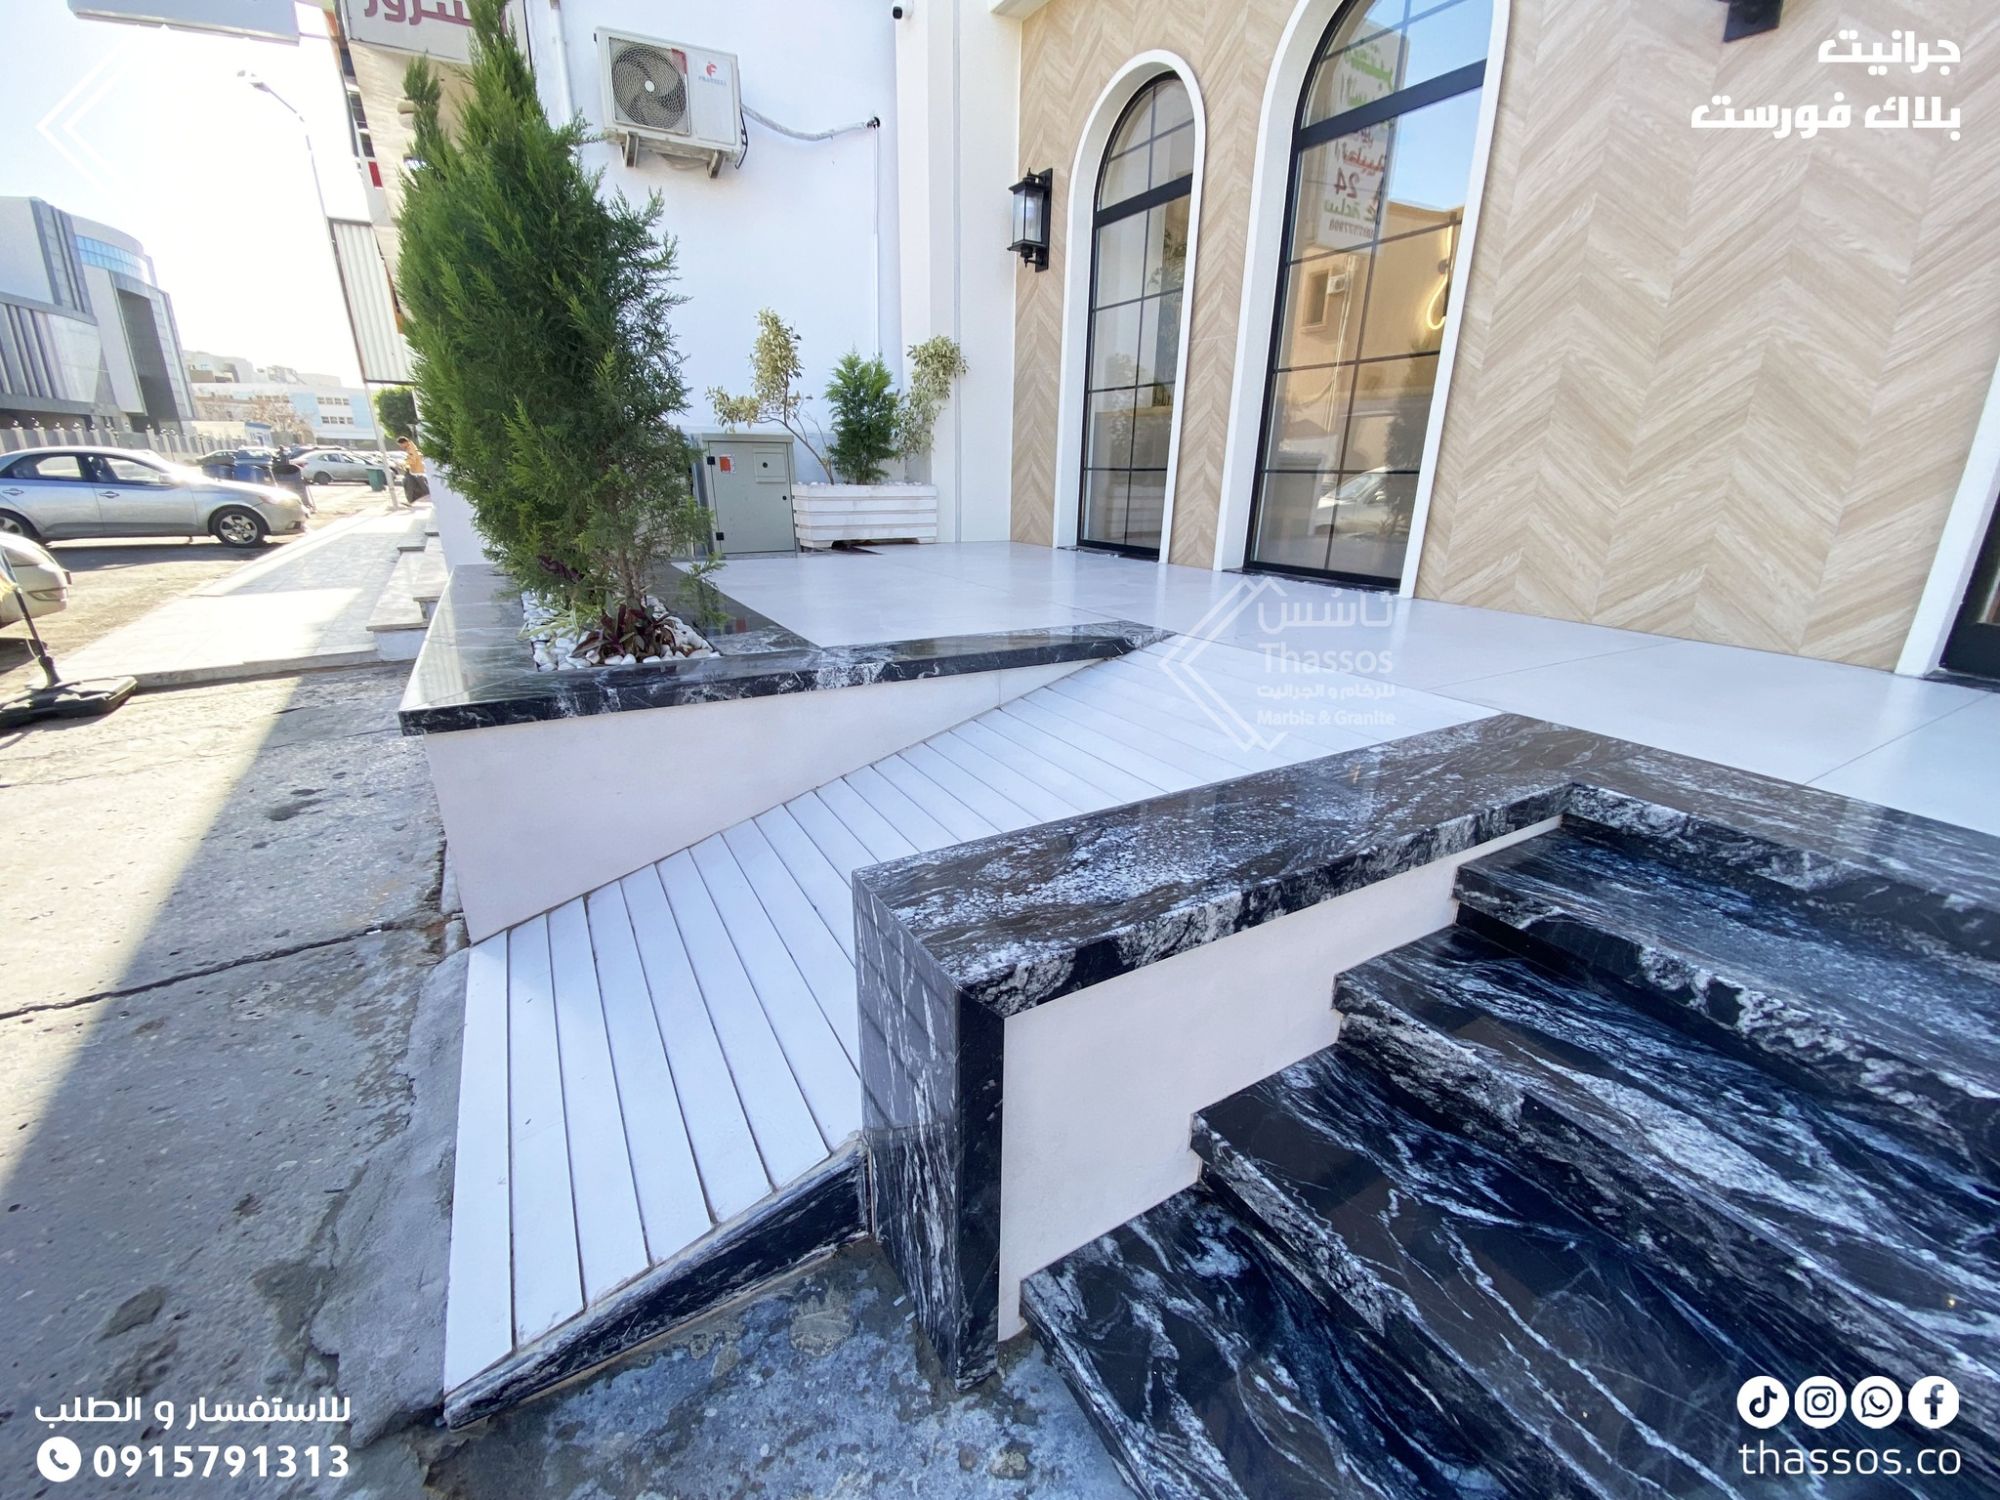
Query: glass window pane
[
  {"x": 1287, "y": 533},
  {"x": 1152, "y": 427},
  {"x": 1445, "y": 39},
  {"x": 1160, "y": 340},
  {"x": 1166, "y": 245},
  {"x": 1146, "y": 504},
  {"x": 1392, "y": 404},
  {"x": 1367, "y": 518},
  {"x": 55, "y": 466},
  {"x": 1322, "y": 310},
  {"x": 1339, "y": 195},
  {"x": 1124, "y": 177},
  {"x": 1173, "y": 155},
  {"x": 1121, "y": 260},
  {"x": 1308, "y": 418},
  {"x": 1430, "y": 164},
  {"x": 1171, "y": 105},
  {"x": 1105, "y": 497},
  {"x": 1137, "y": 126},
  {"x": 126, "y": 471},
  {"x": 1114, "y": 347},
  {"x": 1107, "y": 432},
  {"x": 1364, "y": 62},
  {"x": 1408, "y": 294}
]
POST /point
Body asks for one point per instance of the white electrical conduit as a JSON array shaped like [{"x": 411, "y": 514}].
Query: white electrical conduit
[{"x": 872, "y": 124}]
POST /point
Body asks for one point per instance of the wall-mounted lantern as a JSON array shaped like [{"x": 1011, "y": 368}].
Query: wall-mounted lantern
[
  {"x": 1031, "y": 218},
  {"x": 1751, "y": 18}
]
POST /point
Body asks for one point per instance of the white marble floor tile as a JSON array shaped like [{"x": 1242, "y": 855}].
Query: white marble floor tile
[{"x": 1949, "y": 769}]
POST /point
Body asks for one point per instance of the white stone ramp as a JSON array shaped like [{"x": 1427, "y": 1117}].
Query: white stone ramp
[{"x": 660, "y": 1057}]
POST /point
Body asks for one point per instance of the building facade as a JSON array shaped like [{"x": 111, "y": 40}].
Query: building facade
[
  {"x": 1466, "y": 299},
  {"x": 87, "y": 335},
  {"x": 310, "y": 409},
  {"x": 1473, "y": 309}
]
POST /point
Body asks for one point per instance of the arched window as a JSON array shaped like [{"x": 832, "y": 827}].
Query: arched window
[
  {"x": 1139, "y": 243},
  {"x": 1381, "y": 160}
]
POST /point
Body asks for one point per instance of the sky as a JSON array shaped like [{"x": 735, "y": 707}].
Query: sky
[{"x": 151, "y": 131}]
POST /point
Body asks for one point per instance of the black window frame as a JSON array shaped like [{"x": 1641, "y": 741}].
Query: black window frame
[
  {"x": 1445, "y": 86},
  {"x": 1139, "y": 203}
]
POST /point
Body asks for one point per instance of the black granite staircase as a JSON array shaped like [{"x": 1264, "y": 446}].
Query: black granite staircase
[{"x": 1659, "y": 1114}]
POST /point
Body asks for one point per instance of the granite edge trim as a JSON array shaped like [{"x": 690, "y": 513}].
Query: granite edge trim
[
  {"x": 798, "y": 1224},
  {"x": 474, "y": 671},
  {"x": 1222, "y": 905}
]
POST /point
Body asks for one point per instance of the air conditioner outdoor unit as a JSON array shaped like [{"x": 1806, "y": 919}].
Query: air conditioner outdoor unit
[{"x": 679, "y": 101}]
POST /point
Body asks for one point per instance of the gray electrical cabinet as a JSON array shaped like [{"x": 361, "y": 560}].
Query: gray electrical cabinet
[{"x": 747, "y": 479}]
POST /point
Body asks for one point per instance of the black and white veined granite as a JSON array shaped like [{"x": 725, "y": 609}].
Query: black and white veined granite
[
  {"x": 476, "y": 671},
  {"x": 1826, "y": 1003},
  {"x": 990, "y": 929},
  {"x": 1853, "y": 1254},
  {"x": 1209, "y": 1371}
]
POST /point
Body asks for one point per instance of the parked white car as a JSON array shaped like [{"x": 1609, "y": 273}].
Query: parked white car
[
  {"x": 333, "y": 466},
  {"x": 56, "y": 494},
  {"x": 44, "y": 580}
]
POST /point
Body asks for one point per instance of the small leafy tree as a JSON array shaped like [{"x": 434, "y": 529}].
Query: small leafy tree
[
  {"x": 538, "y": 310},
  {"x": 872, "y": 423},
  {"x": 396, "y": 412},
  {"x": 865, "y": 412},
  {"x": 774, "y": 395},
  {"x": 935, "y": 366}
]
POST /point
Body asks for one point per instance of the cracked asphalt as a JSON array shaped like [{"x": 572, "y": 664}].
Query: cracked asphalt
[{"x": 229, "y": 999}]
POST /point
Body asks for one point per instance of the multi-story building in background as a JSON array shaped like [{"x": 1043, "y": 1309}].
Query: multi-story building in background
[
  {"x": 296, "y": 406},
  {"x": 87, "y": 336}
]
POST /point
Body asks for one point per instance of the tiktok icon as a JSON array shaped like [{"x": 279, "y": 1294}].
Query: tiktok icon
[{"x": 1763, "y": 1402}]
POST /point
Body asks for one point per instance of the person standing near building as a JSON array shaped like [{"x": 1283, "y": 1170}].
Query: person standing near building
[{"x": 415, "y": 486}]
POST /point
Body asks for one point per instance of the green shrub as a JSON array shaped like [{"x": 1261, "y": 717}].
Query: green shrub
[
  {"x": 396, "y": 413},
  {"x": 865, "y": 409},
  {"x": 538, "y": 311}
]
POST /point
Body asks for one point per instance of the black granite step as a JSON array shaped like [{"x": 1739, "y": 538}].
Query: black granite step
[
  {"x": 1885, "y": 896},
  {"x": 1908, "y": 1039},
  {"x": 1848, "y": 1246},
  {"x": 1210, "y": 1373},
  {"x": 1479, "y": 1298}
]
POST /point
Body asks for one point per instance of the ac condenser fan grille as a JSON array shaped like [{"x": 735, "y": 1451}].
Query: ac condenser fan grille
[{"x": 650, "y": 86}]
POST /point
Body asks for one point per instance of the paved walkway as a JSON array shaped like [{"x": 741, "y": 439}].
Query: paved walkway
[{"x": 302, "y": 606}]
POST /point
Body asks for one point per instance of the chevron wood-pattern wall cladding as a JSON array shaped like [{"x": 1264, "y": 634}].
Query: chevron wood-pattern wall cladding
[{"x": 1710, "y": 384}]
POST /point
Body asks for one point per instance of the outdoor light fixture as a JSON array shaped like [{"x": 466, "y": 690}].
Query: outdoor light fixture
[
  {"x": 1751, "y": 18},
  {"x": 1031, "y": 217}
]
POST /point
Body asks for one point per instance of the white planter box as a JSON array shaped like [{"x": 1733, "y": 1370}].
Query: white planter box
[{"x": 824, "y": 514}]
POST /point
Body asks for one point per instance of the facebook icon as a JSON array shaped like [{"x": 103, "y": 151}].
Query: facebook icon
[{"x": 1933, "y": 1401}]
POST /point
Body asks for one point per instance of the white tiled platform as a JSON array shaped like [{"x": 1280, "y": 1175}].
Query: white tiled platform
[
  {"x": 649, "y": 1061},
  {"x": 1889, "y": 739}
]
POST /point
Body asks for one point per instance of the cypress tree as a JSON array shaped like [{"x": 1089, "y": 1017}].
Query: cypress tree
[{"x": 538, "y": 310}]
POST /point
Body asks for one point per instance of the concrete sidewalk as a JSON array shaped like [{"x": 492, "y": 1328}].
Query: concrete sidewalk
[{"x": 302, "y": 607}]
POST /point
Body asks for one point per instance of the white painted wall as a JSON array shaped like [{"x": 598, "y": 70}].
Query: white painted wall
[
  {"x": 1102, "y": 1085},
  {"x": 458, "y": 534},
  {"x": 1964, "y": 534},
  {"x": 797, "y": 227},
  {"x": 530, "y": 826},
  {"x": 958, "y": 93}
]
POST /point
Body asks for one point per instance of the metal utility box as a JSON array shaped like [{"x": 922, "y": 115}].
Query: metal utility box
[{"x": 748, "y": 482}]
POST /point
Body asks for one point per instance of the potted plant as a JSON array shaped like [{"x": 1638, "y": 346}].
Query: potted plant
[
  {"x": 545, "y": 364},
  {"x": 874, "y": 425}
]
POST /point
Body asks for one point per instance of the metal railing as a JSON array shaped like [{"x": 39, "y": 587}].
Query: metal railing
[{"x": 167, "y": 444}]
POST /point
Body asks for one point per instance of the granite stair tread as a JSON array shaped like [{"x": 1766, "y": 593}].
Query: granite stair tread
[
  {"x": 1689, "y": 1153},
  {"x": 1478, "y": 1295},
  {"x": 1211, "y": 1373},
  {"x": 1911, "y": 1038}
]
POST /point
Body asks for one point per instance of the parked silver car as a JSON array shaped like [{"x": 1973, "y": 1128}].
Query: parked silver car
[
  {"x": 332, "y": 466},
  {"x": 55, "y": 494}
]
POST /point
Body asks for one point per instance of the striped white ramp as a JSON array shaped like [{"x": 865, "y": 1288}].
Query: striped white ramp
[{"x": 655, "y": 1058}]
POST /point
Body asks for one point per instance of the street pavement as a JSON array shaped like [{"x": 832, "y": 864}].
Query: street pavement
[{"x": 228, "y": 1080}]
